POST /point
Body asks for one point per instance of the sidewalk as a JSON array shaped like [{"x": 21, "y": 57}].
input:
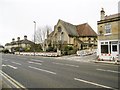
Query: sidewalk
[
  {"x": 89, "y": 58},
  {"x": 108, "y": 62}
]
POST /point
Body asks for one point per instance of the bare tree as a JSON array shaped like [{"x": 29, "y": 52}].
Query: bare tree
[
  {"x": 41, "y": 33},
  {"x": 38, "y": 35}
]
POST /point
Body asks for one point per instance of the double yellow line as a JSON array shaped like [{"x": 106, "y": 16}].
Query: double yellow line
[{"x": 13, "y": 82}]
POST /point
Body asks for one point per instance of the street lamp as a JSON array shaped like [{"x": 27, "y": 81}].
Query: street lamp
[
  {"x": 34, "y": 35},
  {"x": 18, "y": 44}
]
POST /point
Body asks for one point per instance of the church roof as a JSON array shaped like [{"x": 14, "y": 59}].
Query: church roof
[
  {"x": 85, "y": 30},
  {"x": 78, "y": 30}
]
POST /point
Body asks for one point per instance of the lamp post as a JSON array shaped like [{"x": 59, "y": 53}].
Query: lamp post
[
  {"x": 18, "y": 44},
  {"x": 34, "y": 35}
]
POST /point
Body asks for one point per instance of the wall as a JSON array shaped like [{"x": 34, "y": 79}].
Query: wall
[
  {"x": 58, "y": 37},
  {"x": 114, "y": 29}
]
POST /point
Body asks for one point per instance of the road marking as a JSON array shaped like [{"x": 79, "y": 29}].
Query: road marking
[
  {"x": 3, "y": 65},
  {"x": 74, "y": 59},
  {"x": 16, "y": 63},
  {"x": 9, "y": 81},
  {"x": 5, "y": 60},
  {"x": 34, "y": 63},
  {"x": 108, "y": 70},
  {"x": 96, "y": 84},
  {"x": 37, "y": 60},
  {"x": 12, "y": 81},
  {"x": 65, "y": 64},
  {"x": 42, "y": 70},
  {"x": 12, "y": 66}
]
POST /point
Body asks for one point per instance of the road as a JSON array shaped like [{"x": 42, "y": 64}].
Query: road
[{"x": 45, "y": 72}]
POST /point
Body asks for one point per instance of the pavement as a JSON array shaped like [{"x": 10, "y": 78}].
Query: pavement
[
  {"x": 46, "y": 72},
  {"x": 108, "y": 62},
  {"x": 88, "y": 58}
]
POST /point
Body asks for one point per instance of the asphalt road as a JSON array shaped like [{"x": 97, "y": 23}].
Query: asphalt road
[{"x": 45, "y": 72}]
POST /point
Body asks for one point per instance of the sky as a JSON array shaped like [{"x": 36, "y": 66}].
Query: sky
[{"x": 17, "y": 16}]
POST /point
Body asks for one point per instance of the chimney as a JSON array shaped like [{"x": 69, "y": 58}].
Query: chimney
[
  {"x": 13, "y": 40},
  {"x": 102, "y": 14},
  {"x": 25, "y": 37},
  {"x": 18, "y": 38}
]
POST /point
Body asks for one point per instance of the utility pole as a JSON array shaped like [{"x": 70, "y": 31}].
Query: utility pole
[{"x": 34, "y": 35}]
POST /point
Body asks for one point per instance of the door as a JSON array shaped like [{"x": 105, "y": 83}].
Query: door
[{"x": 114, "y": 50}]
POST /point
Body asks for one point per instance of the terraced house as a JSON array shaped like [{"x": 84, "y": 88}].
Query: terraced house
[
  {"x": 78, "y": 37},
  {"x": 1, "y": 48},
  {"x": 109, "y": 36},
  {"x": 19, "y": 45}
]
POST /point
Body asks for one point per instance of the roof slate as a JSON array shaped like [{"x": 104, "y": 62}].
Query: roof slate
[
  {"x": 112, "y": 16},
  {"x": 21, "y": 42},
  {"x": 78, "y": 30},
  {"x": 70, "y": 28},
  {"x": 85, "y": 30}
]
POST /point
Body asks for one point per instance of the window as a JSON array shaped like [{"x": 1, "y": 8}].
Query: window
[
  {"x": 106, "y": 42},
  {"x": 62, "y": 37},
  {"x": 108, "y": 28},
  {"x": 59, "y": 29},
  {"x": 114, "y": 48},
  {"x": 102, "y": 43},
  {"x": 104, "y": 48},
  {"x": 114, "y": 42}
]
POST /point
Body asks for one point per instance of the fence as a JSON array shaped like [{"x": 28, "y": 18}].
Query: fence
[
  {"x": 50, "y": 54},
  {"x": 86, "y": 52}
]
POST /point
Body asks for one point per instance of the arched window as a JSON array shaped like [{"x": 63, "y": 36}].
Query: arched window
[
  {"x": 59, "y": 29},
  {"x": 62, "y": 37}
]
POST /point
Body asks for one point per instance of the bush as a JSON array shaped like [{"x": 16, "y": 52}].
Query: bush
[
  {"x": 50, "y": 49},
  {"x": 67, "y": 48},
  {"x": 6, "y": 51},
  {"x": 55, "y": 49}
]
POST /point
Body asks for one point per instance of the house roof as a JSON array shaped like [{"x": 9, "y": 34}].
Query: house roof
[
  {"x": 112, "y": 16},
  {"x": 21, "y": 42},
  {"x": 70, "y": 28},
  {"x": 51, "y": 34},
  {"x": 85, "y": 30},
  {"x": 1, "y": 46},
  {"x": 26, "y": 42},
  {"x": 79, "y": 41}
]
